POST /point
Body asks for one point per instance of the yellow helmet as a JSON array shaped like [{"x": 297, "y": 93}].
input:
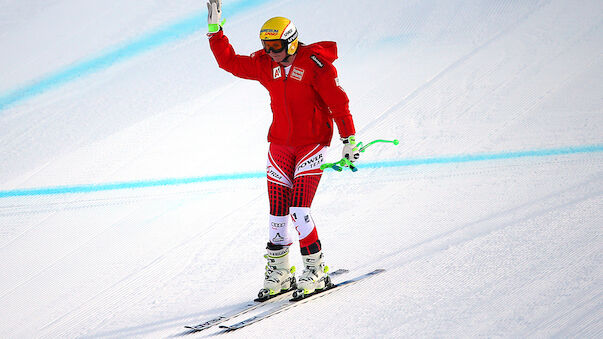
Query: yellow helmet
[{"x": 279, "y": 28}]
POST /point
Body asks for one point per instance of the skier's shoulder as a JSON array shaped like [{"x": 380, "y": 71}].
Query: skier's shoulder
[
  {"x": 320, "y": 54},
  {"x": 260, "y": 56}
]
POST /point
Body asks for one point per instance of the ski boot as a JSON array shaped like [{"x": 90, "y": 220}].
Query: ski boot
[
  {"x": 314, "y": 278},
  {"x": 279, "y": 276}
]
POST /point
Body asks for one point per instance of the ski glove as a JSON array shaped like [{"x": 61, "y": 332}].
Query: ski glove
[
  {"x": 214, "y": 12},
  {"x": 350, "y": 151}
]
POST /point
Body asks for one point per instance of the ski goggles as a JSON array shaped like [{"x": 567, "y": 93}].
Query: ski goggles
[{"x": 276, "y": 46}]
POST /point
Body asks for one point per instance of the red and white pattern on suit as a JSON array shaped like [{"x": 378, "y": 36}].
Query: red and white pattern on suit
[{"x": 293, "y": 174}]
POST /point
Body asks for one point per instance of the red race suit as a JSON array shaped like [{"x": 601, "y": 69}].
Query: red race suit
[{"x": 306, "y": 102}]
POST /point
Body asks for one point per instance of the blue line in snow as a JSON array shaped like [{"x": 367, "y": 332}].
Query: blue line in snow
[
  {"x": 254, "y": 175},
  {"x": 147, "y": 42},
  {"x": 483, "y": 157}
]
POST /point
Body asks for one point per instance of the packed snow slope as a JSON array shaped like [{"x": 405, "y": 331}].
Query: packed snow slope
[{"x": 133, "y": 200}]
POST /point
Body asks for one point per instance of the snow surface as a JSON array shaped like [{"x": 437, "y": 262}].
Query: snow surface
[{"x": 506, "y": 247}]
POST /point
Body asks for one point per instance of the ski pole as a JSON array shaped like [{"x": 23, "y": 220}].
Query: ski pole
[
  {"x": 344, "y": 162},
  {"x": 363, "y": 148}
]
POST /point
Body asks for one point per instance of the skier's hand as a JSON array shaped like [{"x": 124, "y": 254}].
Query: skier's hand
[
  {"x": 214, "y": 13},
  {"x": 350, "y": 150}
]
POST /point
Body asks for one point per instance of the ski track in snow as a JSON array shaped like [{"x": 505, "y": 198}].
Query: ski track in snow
[{"x": 498, "y": 248}]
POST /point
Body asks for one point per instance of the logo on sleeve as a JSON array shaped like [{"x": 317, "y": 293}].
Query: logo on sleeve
[
  {"x": 337, "y": 84},
  {"x": 276, "y": 72},
  {"x": 318, "y": 62}
]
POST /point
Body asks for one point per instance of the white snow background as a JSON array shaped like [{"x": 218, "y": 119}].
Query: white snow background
[{"x": 132, "y": 188}]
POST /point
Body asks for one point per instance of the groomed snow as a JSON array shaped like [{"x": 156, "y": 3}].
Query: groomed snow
[{"x": 505, "y": 246}]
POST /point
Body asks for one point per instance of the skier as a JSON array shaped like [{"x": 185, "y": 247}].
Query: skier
[{"x": 305, "y": 100}]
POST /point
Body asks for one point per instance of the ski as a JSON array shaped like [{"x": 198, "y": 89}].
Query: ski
[
  {"x": 245, "y": 309},
  {"x": 248, "y": 308},
  {"x": 292, "y": 303}
]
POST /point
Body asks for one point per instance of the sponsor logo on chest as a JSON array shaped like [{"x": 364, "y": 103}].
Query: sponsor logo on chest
[
  {"x": 276, "y": 72},
  {"x": 297, "y": 73}
]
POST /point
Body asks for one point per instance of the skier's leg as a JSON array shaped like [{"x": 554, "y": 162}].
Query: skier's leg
[
  {"x": 305, "y": 183},
  {"x": 279, "y": 274},
  {"x": 280, "y": 172}
]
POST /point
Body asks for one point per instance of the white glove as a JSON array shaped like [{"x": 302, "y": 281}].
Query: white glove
[
  {"x": 350, "y": 151},
  {"x": 214, "y": 12}
]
